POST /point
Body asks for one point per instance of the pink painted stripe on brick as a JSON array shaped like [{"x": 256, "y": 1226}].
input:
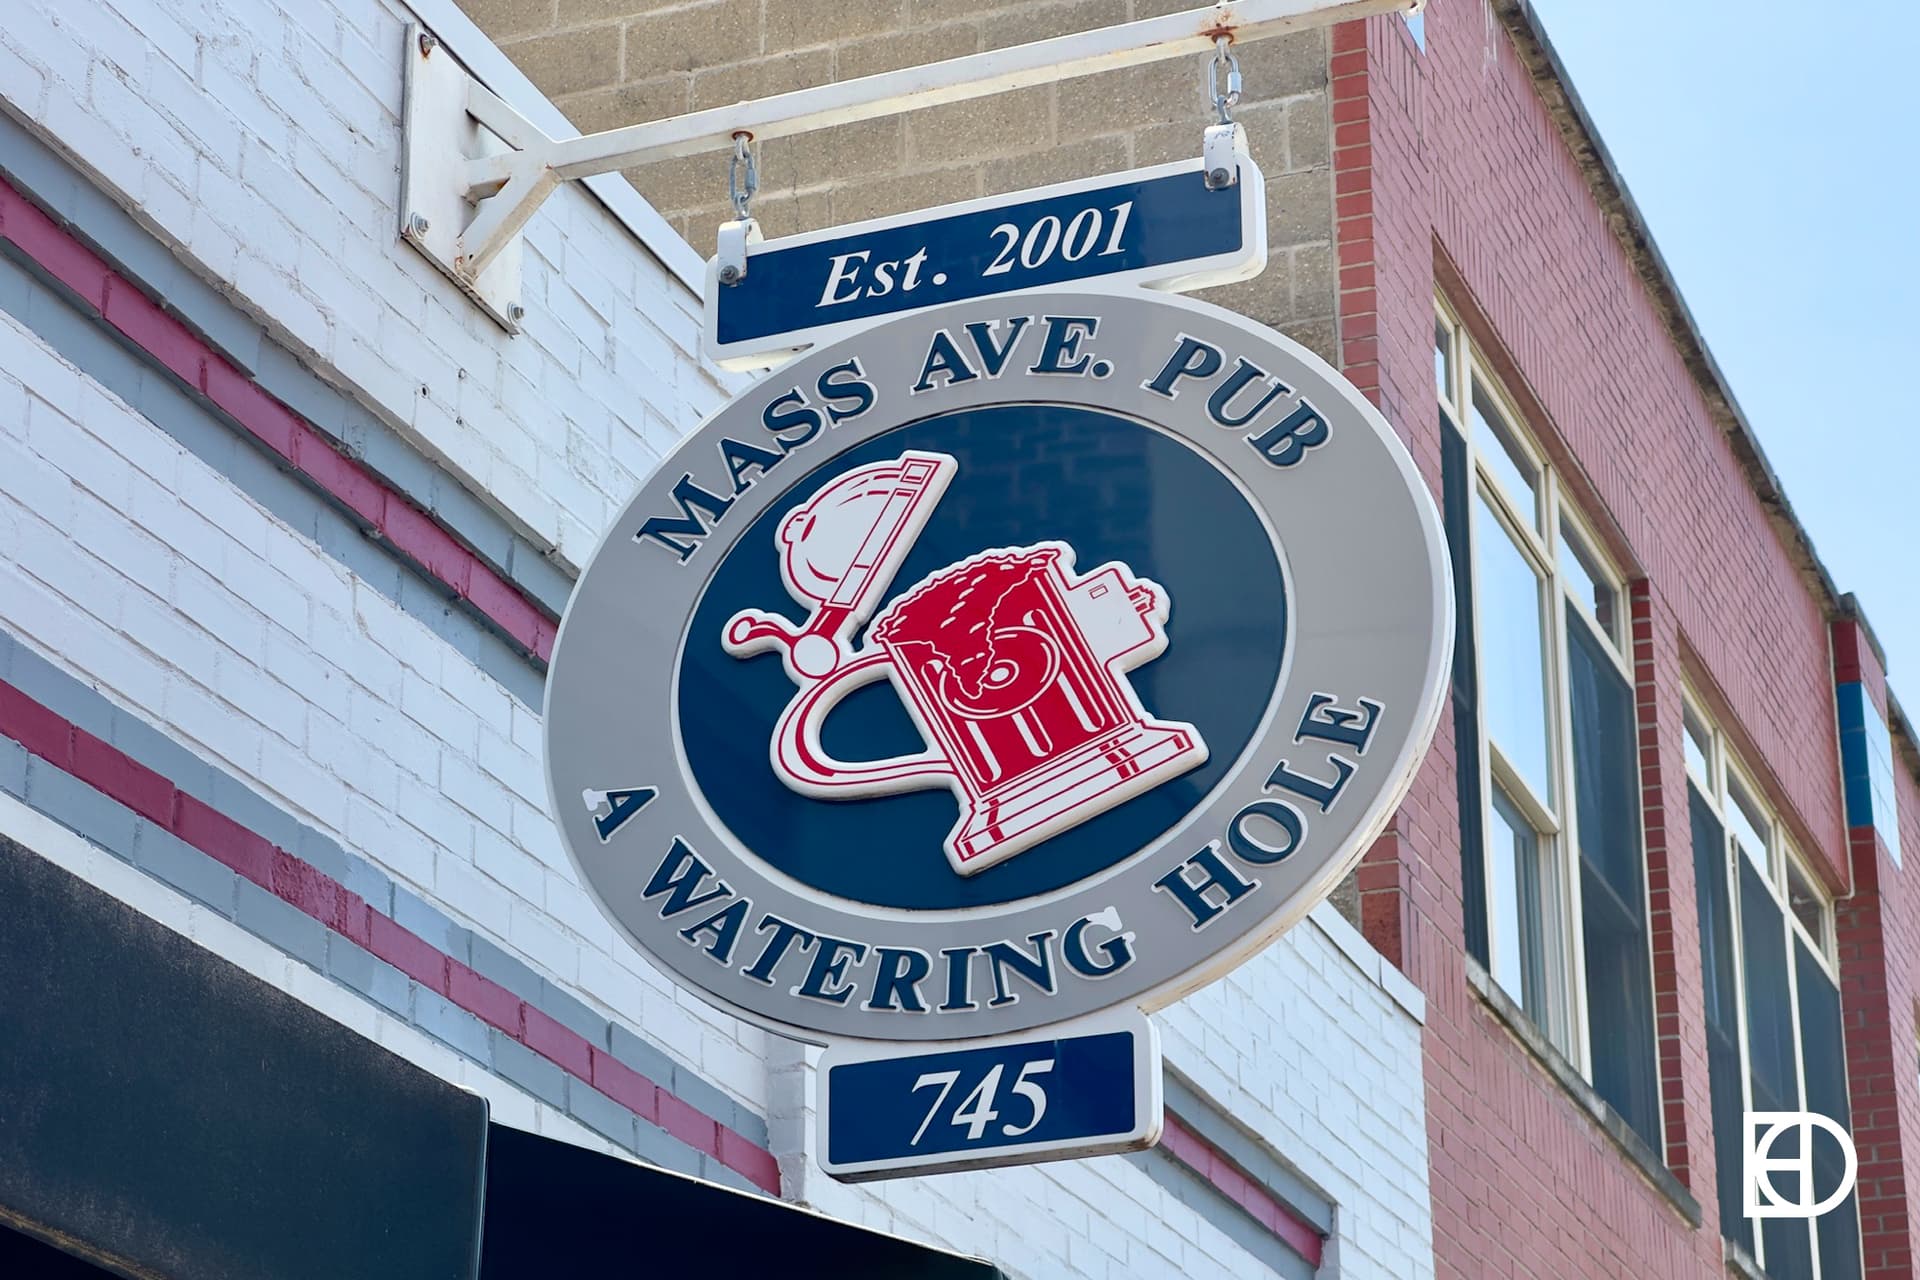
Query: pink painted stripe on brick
[
  {"x": 690, "y": 1125},
  {"x": 118, "y": 776},
  {"x": 410, "y": 531},
  {"x": 1201, "y": 1156},
  {"x": 484, "y": 998},
  {"x": 153, "y": 330},
  {"x": 223, "y": 839},
  {"x": 242, "y": 399},
  {"x": 103, "y": 768},
  {"x": 753, "y": 1162},
  {"x": 59, "y": 254},
  {"x": 556, "y": 1042},
  {"x": 625, "y": 1086},
  {"x": 409, "y": 953},
  {"x": 36, "y": 728}
]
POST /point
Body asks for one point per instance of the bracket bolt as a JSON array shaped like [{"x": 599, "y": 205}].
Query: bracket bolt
[
  {"x": 1218, "y": 178},
  {"x": 516, "y": 312},
  {"x": 730, "y": 274},
  {"x": 417, "y": 225},
  {"x": 428, "y": 44}
]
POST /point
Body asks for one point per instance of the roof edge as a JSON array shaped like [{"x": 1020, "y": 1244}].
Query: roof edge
[{"x": 1609, "y": 189}]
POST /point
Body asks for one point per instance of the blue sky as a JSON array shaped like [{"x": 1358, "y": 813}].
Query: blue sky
[{"x": 1772, "y": 151}]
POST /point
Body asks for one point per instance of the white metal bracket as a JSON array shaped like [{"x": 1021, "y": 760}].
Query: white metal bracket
[
  {"x": 443, "y": 134},
  {"x": 1220, "y": 150},
  {"x": 475, "y": 170},
  {"x": 730, "y": 255}
]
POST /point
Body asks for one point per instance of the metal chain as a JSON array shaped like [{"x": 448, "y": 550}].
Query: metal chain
[
  {"x": 1224, "y": 100},
  {"x": 743, "y": 175}
]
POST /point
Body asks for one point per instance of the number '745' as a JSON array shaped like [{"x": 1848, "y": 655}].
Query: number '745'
[{"x": 978, "y": 1110}]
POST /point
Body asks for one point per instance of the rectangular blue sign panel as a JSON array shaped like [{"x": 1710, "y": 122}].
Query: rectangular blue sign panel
[
  {"x": 1001, "y": 1103},
  {"x": 1155, "y": 225}
]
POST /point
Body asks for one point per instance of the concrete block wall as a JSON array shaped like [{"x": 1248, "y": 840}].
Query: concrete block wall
[
  {"x": 275, "y": 504},
  {"x": 608, "y": 63}
]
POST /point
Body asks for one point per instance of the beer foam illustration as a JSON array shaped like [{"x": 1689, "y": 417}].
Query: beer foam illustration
[{"x": 956, "y": 611}]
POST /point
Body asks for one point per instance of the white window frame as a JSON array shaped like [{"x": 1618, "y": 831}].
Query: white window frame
[
  {"x": 1723, "y": 770},
  {"x": 1555, "y": 818}
]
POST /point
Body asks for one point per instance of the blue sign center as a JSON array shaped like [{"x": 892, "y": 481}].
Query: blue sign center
[{"x": 1110, "y": 488}]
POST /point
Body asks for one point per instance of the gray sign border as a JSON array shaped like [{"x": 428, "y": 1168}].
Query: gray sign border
[{"x": 1353, "y": 510}]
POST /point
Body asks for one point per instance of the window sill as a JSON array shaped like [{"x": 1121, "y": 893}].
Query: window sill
[
  {"x": 1569, "y": 1078},
  {"x": 1739, "y": 1261}
]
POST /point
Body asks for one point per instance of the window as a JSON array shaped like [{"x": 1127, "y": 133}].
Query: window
[
  {"x": 1772, "y": 1003},
  {"x": 1553, "y": 872},
  {"x": 1699, "y": 743},
  {"x": 1588, "y": 582}
]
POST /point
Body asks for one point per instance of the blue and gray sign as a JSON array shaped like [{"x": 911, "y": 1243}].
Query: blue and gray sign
[
  {"x": 1084, "y": 1090},
  {"x": 1161, "y": 226},
  {"x": 1000, "y": 664},
  {"x": 1003, "y": 665}
]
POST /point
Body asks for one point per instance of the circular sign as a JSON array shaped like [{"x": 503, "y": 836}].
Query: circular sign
[{"x": 999, "y": 664}]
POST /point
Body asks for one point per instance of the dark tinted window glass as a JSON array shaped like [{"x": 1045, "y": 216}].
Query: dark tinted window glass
[
  {"x": 1716, "y": 918},
  {"x": 1604, "y": 764},
  {"x": 1823, "y": 1054},
  {"x": 1723, "y": 1024},
  {"x": 1455, "y": 479},
  {"x": 1789, "y": 1246},
  {"x": 1773, "y": 1078},
  {"x": 1620, "y": 1008},
  {"x": 1763, "y": 948},
  {"x": 1607, "y": 803}
]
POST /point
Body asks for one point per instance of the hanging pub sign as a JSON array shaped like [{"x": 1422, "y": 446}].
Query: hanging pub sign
[
  {"x": 987, "y": 677},
  {"x": 1180, "y": 226}
]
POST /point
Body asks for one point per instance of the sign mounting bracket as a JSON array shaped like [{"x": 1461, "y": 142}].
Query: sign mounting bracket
[{"x": 476, "y": 170}]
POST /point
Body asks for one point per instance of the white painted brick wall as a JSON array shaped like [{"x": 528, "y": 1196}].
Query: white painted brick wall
[
  {"x": 261, "y": 141},
  {"x": 264, "y": 139},
  {"x": 185, "y": 626}
]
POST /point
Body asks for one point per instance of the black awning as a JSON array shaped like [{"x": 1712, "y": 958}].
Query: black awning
[
  {"x": 164, "y": 1113},
  {"x": 549, "y": 1203}
]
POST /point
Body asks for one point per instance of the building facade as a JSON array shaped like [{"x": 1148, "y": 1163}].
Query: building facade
[{"x": 287, "y": 524}]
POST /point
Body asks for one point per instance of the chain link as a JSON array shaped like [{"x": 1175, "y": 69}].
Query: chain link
[
  {"x": 743, "y": 175},
  {"x": 1226, "y": 98}
]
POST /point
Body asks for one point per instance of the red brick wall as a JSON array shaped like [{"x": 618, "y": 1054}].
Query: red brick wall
[
  {"x": 1673, "y": 915},
  {"x": 1879, "y": 939},
  {"x": 1386, "y": 881},
  {"x": 1452, "y": 173},
  {"x": 1888, "y": 1208}
]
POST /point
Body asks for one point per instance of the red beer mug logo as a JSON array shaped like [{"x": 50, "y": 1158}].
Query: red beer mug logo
[{"x": 1012, "y": 666}]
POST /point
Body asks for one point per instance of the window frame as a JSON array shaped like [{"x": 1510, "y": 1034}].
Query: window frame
[
  {"x": 1537, "y": 536},
  {"x": 1611, "y": 578},
  {"x": 1728, "y": 771},
  {"x": 1725, "y": 772}
]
